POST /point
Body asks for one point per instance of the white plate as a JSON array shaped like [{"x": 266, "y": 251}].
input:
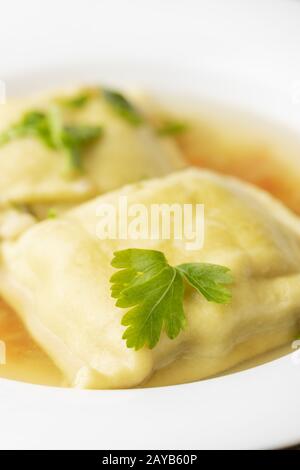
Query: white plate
[{"x": 242, "y": 53}]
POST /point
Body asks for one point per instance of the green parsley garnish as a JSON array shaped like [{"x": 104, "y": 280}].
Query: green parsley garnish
[
  {"x": 33, "y": 123},
  {"x": 70, "y": 138},
  {"x": 52, "y": 213},
  {"x": 123, "y": 107},
  {"x": 172, "y": 128},
  {"x": 154, "y": 290},
  {"x": 74, "y": 139},
  {"x": 76, "y": 102},
  {"x": 48, "y": 127}
]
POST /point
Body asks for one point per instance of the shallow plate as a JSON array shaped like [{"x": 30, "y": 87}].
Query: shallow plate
[{"x": 240, "y": 53}]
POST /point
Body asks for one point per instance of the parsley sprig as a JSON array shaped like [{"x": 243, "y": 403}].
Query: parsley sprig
[
  {"x": 116, "y": 100},
  {"x": 48, "y": 127},
  {"x": 172, "y": 128},
  {"x": 123, "y": 107},
  {"x": 153, "y": 290},
  {"x": 33, "y": 123},
  {"x": 76, "y": 101}
]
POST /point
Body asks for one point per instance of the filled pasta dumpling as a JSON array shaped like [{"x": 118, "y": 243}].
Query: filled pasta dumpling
[
  {"x": 57, "y": 278},
  {"x": 71, "y": 145}
]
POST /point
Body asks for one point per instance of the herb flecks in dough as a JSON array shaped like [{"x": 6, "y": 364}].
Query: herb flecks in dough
[{"x": 154, "y": 292}]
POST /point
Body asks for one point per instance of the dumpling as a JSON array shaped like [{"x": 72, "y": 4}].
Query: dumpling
[
  {"x": 32, "y": 172},
  {"x": 14, "y": 221},
  {"x": 56, "y": 277}
]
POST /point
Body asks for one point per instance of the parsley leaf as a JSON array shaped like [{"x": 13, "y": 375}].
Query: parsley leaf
[
  {"x": 48, "y": 127},
  {"x": 123, "y": 107},
  {"x": 154, "y": 292},
  {"x": 52, "y": 214},
  {"x": 210, "y": 280},
  {"x": 33, "y": 123},
  {"x": 77, "y": 101},
  {"x": 172, "y": 128},
  {"x": 75, "y": 138}
]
